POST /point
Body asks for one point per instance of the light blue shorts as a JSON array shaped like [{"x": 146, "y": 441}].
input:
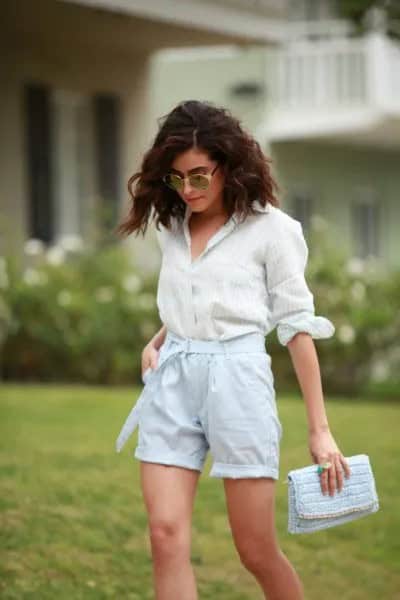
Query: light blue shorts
[{"x": 215, "y": 395}]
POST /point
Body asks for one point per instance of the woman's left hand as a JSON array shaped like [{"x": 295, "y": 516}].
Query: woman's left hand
[{"x": 323, "y": 448}]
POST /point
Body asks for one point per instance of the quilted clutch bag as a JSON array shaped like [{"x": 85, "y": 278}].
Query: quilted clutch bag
[{"x": 311, "y": 510}]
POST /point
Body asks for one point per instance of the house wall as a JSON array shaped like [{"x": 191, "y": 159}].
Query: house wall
[
  {"x": 96, "y": 51},
  {"x": 211, "y": 75},
  {"x": 78, "y": 52},
  {"x": 335, "y": 176},
  {"x": 76, "y": 69},
  {"x": 74, "y": 72}
]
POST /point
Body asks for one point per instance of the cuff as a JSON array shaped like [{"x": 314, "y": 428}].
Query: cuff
[{"x": 317, "y": 327}]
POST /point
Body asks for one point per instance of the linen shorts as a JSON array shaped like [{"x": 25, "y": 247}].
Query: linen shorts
[{"x": 215, "y": 395}]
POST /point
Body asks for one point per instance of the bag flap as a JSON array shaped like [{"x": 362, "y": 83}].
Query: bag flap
[{"x": 358, "y": 491}]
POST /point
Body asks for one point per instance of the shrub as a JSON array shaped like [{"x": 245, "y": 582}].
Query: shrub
[
  {"x": 76, "y": 315},
  {"x": 360, "y": 298},
  {"x": 71, "y": 313}
]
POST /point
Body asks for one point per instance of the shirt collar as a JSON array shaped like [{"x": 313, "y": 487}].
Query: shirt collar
[
  {"x": 256, "y": 205},
  {"x": 260, "y": 208}
]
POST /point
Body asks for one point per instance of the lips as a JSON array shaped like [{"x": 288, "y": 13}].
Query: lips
[{"x": 193, "y": 199}]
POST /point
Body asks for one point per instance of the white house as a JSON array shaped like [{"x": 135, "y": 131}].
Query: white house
[
  {"x": 75, "y": 101},
  {"x": 83, "y": 82}
]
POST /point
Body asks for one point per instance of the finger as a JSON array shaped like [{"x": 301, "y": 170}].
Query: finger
[
  {"x": 339, "y": 473},
  {"x": 332, "y": 476},
  {"x": 346, "y": 466},
  {"x": 324, "y": 476},
  {"x": 149, "y": 368},
  {"x": 324, "y": 482}
]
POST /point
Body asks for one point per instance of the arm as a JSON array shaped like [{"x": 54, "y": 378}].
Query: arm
[
  {"x": 293, "y": 312},
  {"x": 150, "y": 351},
  {"x": 158, "y": 339},
  {"x": 322, "y": 445},
  {"x": 305, "y": 362}
]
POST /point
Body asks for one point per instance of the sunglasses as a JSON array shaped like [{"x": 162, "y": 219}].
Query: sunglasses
[{"x": 198, "y": 181}]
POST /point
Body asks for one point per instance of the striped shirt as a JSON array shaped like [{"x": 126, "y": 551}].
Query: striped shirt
[{"x": 249, "y": 277}]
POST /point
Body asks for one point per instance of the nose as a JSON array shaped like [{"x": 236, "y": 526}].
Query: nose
[{"x": 186, "y": 187}]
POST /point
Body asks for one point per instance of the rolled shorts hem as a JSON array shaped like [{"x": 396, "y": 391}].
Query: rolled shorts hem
[
  {"x": 242, "y": 471},
  {"x": 171, "y": 459}
]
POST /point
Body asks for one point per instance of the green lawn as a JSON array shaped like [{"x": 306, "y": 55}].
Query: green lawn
[{"x": 73, "y": 523}]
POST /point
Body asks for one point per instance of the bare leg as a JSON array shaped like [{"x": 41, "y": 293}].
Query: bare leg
[
  {"x": 251, "y": 512},
  {"x": 169, "y": 494}
]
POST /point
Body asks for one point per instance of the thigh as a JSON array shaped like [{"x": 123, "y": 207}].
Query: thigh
[
  {"x": 169, "y": 494},
  {"x": 251, "y": 512},
  {"x": 244, "y": 426},
  {"x": 170, "y": 425}
]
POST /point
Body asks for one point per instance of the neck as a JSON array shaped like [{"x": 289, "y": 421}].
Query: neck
[{"x": 215, "y": 211}]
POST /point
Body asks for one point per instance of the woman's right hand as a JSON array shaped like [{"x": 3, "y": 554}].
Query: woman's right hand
[{"x": 149, "y": 357}]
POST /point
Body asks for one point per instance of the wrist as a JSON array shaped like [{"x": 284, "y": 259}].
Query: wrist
[
  {"x": 153, "y": 343},
  {"x": 156, "y": 342},
  {"x": 322, "y": 428},
  {"x": 158, "y": 339}
]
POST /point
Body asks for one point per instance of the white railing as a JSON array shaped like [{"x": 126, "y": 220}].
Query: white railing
[
  {"x": 263, "y": 7},
  {"x": 335, "y": 74},
  {"x": 394, "y": 72}
]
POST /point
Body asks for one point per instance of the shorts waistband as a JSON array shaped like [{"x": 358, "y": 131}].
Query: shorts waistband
[{"x": 248, "y": 342}]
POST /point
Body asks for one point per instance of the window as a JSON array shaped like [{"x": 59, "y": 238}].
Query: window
[
  {"x": 312, "y": 10},
  {"x": 73, "y": 159},
  {"x": 301, "y": 208},
  {"x": 107, "y": 133},
  {"x": 365, "y": 227},
  {"x": 73, "y": 179},
  {"x": 38, "y": 126}
]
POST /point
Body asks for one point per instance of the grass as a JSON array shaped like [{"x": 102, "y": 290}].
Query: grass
[{"x": 73, "y": 523}]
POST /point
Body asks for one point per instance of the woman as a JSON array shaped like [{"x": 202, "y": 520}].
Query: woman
[{"x": 232, "y": 269}]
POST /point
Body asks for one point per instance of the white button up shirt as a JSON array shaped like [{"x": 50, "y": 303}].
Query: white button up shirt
[{"x": 249, "y": 277}]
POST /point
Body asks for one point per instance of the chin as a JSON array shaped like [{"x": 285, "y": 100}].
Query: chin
[{"x": 199, "y": 209}]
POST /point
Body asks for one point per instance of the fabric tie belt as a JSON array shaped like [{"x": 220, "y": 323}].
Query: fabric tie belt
[{"x": 174, "y": 345}]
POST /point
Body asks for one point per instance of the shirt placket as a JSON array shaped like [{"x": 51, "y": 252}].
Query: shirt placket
[{"x": 196, "y": 264}]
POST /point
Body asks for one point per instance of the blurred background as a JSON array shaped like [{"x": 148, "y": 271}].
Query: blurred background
[{"x": 83, "y": 84}]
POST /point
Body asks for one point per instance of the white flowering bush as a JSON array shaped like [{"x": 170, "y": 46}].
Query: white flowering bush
[
  {"x": 70, "y": 313},
  {"x": 361, "y": 299}
]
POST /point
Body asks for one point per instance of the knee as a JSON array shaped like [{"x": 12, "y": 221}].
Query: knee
[
  {"x": 169, "y": 540},
  {"x": 259, "y": 557}
]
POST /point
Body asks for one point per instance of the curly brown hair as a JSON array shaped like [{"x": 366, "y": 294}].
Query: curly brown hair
[{"x": 217, "y": 132}]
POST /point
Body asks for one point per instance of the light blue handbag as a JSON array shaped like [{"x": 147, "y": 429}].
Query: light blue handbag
[{"x": 310, "y": 510}]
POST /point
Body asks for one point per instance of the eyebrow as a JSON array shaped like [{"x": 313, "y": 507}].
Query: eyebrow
[{"x": 200, "y": 168}]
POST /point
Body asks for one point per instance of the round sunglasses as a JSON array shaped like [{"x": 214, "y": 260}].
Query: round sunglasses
[{"x": 198, "y": 181}]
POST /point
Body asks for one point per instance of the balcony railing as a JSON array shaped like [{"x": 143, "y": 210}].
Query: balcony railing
[{"x": 328, "y": 75}]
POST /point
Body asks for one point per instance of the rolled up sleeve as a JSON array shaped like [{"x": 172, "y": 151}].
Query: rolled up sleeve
[{"x": 290, "y": 300}]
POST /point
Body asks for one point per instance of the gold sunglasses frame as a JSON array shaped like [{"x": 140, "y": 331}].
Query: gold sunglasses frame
[{"x": 208, "y": 176}]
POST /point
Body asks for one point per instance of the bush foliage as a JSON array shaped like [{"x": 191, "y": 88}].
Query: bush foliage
[{"x": 70, "y": 313}]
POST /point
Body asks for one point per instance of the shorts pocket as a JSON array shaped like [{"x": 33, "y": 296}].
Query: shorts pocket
[{"x": 149, "y": 372}]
